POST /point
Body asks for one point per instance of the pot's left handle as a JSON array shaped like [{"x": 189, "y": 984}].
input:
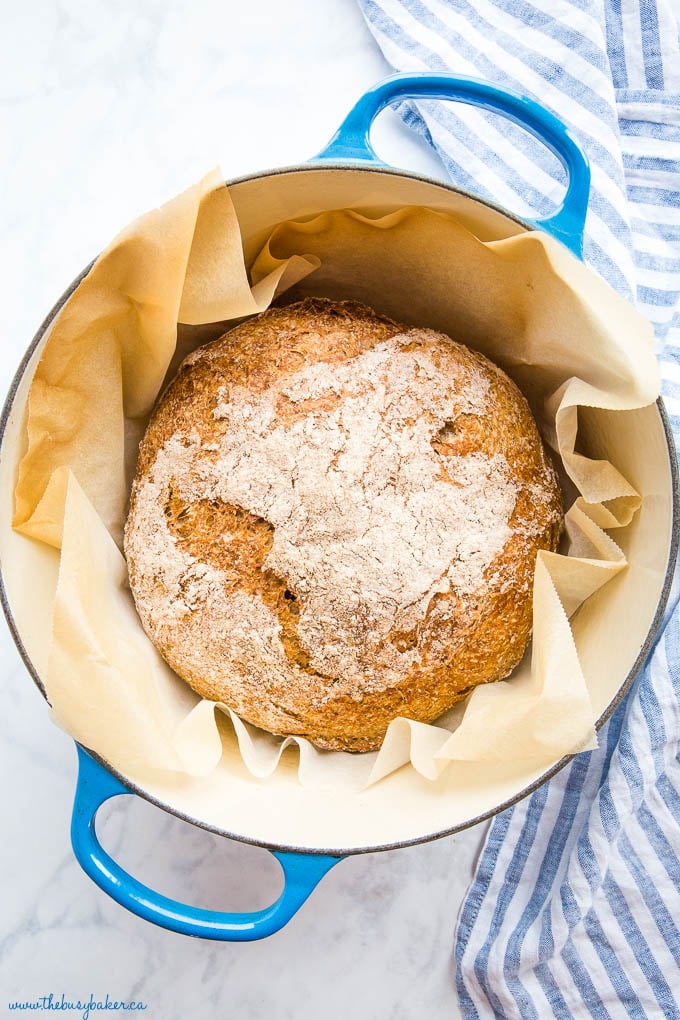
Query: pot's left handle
[
  {"x": 351, "y": 142},
  {"x": 302, "y": 873}
]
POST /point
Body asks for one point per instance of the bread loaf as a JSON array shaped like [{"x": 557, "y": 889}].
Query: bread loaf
[{"x": 335, "y": 521}]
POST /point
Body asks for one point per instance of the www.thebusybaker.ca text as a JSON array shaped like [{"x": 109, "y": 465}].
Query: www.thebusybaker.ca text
[{"x": 82, "y": 1006}]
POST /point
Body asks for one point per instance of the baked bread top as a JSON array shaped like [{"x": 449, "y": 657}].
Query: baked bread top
[{"x": 335, "y": 520}]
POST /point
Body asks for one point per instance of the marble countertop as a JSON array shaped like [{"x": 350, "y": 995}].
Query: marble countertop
[{"x": 107, "y": 110}]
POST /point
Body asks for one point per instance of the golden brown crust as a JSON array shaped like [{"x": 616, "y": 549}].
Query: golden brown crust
[{"x": 210, "y": 563}]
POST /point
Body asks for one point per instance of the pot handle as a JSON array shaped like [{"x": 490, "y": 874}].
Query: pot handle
[
  {"x": 95, "y": 785},
  {"x": 351, "y": 142}
]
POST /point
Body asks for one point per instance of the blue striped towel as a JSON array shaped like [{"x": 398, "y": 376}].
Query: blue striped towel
[{"x": 574, "y": 910}]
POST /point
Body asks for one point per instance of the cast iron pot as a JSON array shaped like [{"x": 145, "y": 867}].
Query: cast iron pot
[{"x": 295, "y": 823}]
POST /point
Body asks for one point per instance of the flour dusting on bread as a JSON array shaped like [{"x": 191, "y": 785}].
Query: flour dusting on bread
[{"x": 331, "y": 533}]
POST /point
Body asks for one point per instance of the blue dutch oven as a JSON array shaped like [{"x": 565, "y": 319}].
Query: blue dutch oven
[{"x": 293, "y": 822}]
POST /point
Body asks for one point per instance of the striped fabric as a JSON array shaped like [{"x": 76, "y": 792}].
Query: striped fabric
[{"x": 575, "y": 907}]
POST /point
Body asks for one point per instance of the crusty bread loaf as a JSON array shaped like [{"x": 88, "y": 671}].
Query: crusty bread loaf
[{"x": 335, "y": 522}]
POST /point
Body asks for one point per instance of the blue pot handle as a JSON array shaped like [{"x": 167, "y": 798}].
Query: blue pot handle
[
  {"x": 351, "y": 142},
  {"x": 302, "y": 873}
]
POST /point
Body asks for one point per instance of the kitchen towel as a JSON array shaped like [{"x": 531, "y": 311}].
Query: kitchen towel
[{"x": 574, "y": 909}]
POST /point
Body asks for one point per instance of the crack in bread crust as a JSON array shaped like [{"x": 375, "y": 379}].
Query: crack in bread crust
[{"x": 237, "y": 543}]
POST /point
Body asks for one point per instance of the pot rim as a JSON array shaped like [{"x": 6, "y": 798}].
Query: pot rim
[{"x": 622, "y": 691}]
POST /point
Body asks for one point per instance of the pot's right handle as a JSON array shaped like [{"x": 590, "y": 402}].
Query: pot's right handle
[{"x": 351, "y": 142}]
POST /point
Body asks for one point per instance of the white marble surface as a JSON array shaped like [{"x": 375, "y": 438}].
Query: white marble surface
[{"x": 108, "y": 109}]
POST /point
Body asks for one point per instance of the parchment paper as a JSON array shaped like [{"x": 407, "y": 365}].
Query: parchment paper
[{"x": 565, "y": 337}]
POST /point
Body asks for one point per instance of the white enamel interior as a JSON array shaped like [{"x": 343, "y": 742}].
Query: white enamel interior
[{"x": 610, "y": 629}]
